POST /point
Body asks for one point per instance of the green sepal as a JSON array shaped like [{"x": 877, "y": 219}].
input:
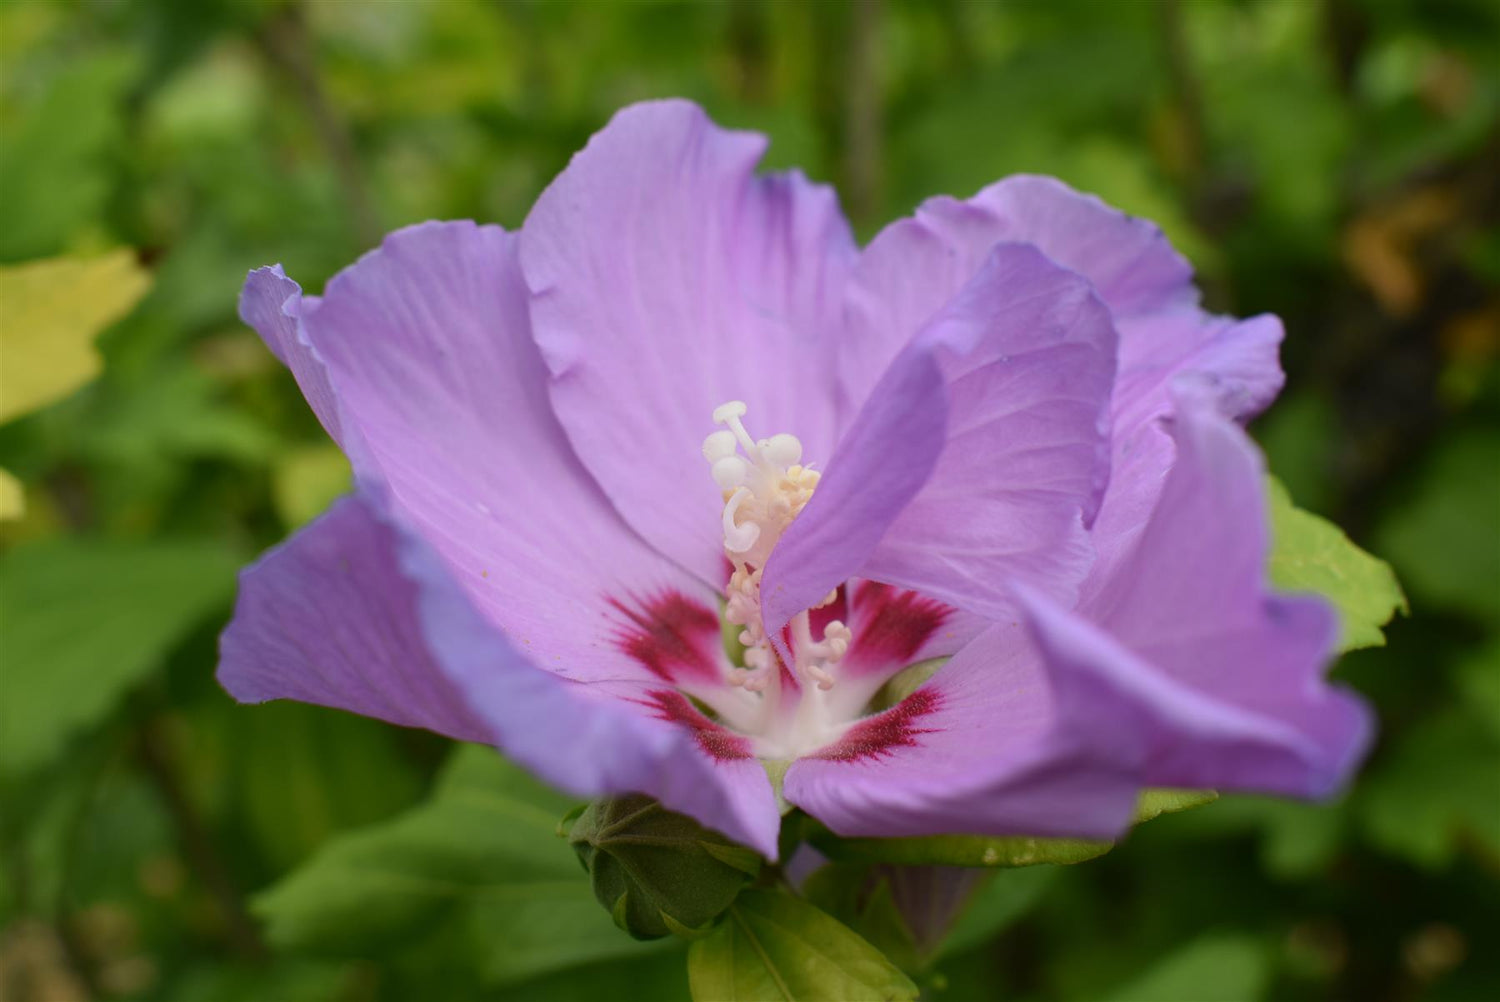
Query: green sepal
[
  {"x": 565, "y": 823},
  {"x": 905, "y": 682},
  {"x": 621, "y": 911},
  {"x": 959, "y": 850},
  {"x": 658, "y": 873},
  {"x": 687, "y": 932},
  {"x": 1154, "y": 803}
]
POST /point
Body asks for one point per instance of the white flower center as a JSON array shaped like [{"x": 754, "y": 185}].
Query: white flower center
[{"x": 765, "y": 486}]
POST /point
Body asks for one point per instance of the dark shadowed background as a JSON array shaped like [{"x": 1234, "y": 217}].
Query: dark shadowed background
[{"x": 1332, "y": 161}]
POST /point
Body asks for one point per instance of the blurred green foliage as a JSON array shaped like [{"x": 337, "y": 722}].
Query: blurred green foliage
[{"x": 1332, "y": 161}]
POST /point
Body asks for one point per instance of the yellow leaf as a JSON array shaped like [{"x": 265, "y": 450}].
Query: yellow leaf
[
  {"x": 50, "y": 313},
  {"x": 12, "y": 503}
]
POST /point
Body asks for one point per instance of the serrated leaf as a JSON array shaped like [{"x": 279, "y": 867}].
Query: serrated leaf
[
  {"x": 959, "y": 850},
  {"x": 480, "y": 860},
  {"x": 1311, "y": 554},
  {"x": 50, "y": 313},
  {"x": 84, "y": 621},
  {"x": 775, "y": 946}
]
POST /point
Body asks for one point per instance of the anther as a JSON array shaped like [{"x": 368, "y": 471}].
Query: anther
[
  {"x": 729, "y": 472},
  {"x": 782, "y": 450},
  {"x": 719, "y": 445}
]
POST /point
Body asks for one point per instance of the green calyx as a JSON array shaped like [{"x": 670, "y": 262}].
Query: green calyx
[{"x": 656, "y": 872}]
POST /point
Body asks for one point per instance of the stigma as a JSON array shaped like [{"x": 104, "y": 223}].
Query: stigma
[{"x": 765, "y": 486}]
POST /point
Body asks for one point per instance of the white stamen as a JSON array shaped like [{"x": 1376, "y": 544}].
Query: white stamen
[
  {"x": 782, "y": 450},
  {"x": 730, "y": 472},
  {"x": 732, "y": 409},
  {"x": 718, "y": 445},
  {"x": 737, "y": 538},
  {"x": 730, "y": 414}
]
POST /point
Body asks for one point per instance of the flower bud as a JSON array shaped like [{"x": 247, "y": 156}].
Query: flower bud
[{"x": 658, "y": 872}]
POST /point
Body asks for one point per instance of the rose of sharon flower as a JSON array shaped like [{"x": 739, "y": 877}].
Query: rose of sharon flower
[{"x": 681, "y": 397}]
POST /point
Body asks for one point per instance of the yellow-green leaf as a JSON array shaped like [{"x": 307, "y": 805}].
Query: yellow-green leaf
[
  {"x": 307, "y": 480},
  {"x": 50, "y": 313},
  {"x": 12, "y": 499},
  {"x": 1154, "y": 803},
  {"x": 1311, "y": 554}
]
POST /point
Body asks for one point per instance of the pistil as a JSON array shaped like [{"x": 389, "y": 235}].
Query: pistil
[{"x": 765, "y": 487}]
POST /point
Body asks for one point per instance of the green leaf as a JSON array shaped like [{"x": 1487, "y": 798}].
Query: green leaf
[
  {"x": 54, "y": 310},
  {"x": 1211, "y": 969},
  {"x": 480, "y": 861},
  {"x": 84, "y": 621},
  {"x": 306, "y": 480},
  {"x": 305, "y": 772},
  {"x": 1479, "y": 681},
  {"x": 285, "y": 980},
  {"x": 958, "y": 850},
  {"x": 12, "y": 496},
  {"x": 656, "y": 976},
  {"x": 1311, "y": 554},
  {"x": 1434, "y": 791},
  {"x": 182, "y": 417},
  {"x": 1000, "y": 900},
  {"x": 862, "y": 898},
  {"x": 1446, "y": 540},
  {"x": 55, "y": 157},
  {"x": 946, "y": 909},
  {"x": 775, "y": 946}
]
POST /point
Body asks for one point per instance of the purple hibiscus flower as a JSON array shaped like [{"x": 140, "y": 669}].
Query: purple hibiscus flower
[{"x": 1004, "y": 434}]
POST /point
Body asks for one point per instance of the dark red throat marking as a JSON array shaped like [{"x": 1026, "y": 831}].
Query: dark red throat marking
[
  {"x": 670, "y": 634},
  {"x": 879, "y": 736},
  {"x": 891, "y": 625},
  {"x": 718, "y": 741}
]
